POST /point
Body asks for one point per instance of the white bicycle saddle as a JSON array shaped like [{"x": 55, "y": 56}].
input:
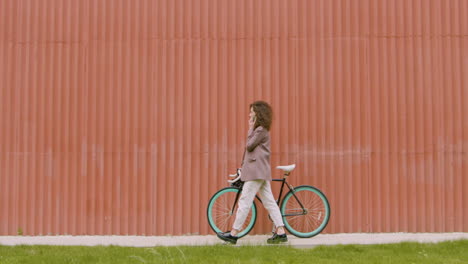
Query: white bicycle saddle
[{"x": 287, "y": 168}]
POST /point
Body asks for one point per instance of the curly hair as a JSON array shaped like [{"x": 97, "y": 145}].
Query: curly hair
[{"x": 264, "y": 114}]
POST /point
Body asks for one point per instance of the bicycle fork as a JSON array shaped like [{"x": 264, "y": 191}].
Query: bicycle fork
[{"x": 235, "y": 201}]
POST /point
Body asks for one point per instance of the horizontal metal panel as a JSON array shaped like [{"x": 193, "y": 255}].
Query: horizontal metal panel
[{"x": 124, "y": 117}]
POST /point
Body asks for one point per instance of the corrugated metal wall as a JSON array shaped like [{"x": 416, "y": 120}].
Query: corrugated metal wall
[{"x": 123, "y": 117}]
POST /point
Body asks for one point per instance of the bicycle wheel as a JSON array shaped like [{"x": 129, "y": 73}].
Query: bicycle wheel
[
  {"x": 309, "y": 221},
  {"x": 221, "y": 216}
]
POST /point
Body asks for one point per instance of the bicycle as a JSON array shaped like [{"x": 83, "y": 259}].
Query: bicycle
[{"x": 305, "y": 209}]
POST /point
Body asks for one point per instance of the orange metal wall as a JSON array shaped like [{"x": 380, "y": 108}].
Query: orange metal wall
[{"x": 123, "y": 117}]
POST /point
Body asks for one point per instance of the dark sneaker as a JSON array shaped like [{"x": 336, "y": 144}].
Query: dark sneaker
[
  {"x": 227, "y": 237},
  {"x": 275, "y": 239}
]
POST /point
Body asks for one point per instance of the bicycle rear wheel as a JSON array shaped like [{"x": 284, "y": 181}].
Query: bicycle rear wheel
[
  {"x": 221, "y": 214},
  {"x": 309, "y": 220}
]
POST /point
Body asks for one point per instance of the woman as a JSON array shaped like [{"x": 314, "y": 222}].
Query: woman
[{"x": 256, "y": 173}]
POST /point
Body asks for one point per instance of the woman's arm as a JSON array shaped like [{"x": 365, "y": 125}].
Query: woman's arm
[{"x": 255, "y": 138}]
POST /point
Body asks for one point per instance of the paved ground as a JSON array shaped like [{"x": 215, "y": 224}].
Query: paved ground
[{"x": 150, "y": 241}]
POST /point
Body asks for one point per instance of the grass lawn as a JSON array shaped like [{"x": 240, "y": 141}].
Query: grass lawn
[{"x": 445, "y": 252}]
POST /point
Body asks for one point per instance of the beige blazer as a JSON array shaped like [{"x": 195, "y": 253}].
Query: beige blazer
[{"x": 256, "y": 160}]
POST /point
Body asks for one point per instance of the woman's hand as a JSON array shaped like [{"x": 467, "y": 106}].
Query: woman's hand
[{"x": 251, "y": 122}]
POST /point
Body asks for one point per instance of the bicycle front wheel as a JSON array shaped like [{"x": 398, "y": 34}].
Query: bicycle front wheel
[
  {"x": 305, "y": 211},
  {"x": 222, "y": 210}
]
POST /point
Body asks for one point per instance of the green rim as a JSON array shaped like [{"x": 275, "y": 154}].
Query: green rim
[
  {"x": 210, "y": 215},
  {"x": 324, "y": 222}
]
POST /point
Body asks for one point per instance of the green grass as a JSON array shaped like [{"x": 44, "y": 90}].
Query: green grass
[{"x": 445, "y": 252}]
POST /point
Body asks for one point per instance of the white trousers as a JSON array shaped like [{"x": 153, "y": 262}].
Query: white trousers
[{"x": 248, "y": 195}]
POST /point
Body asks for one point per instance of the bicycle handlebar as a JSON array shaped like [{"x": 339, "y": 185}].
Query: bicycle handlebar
[{"x": 238, "y": 174}]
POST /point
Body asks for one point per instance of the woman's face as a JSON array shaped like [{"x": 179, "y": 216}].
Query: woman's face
[{"x": 252, "y": 113}]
